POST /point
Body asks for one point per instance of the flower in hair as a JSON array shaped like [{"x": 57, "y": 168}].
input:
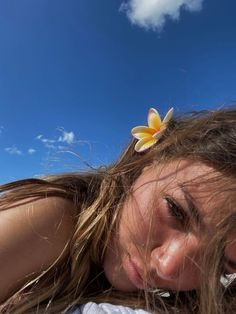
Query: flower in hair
[{"x": 148, "y": 135}]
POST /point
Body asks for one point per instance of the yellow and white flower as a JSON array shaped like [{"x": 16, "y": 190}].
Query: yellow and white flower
[{"x": 149, "y": 135}]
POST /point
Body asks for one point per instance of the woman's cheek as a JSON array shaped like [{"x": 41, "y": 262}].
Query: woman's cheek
[
  {"x": 156, "y": 225},
  {"x": 164, "y": 223}
]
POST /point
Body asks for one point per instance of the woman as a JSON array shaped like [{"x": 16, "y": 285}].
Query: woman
[{"x": 155, "y": 230}]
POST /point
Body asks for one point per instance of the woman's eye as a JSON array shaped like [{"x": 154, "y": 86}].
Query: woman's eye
[
  {"x": 176, "y": 211},
  {"x": 230, "y": 267}
]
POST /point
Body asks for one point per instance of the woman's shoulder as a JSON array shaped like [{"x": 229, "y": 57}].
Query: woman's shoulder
[{"x": 35, "y": 233}]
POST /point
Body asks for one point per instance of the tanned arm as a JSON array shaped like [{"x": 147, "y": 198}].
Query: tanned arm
[{"x": 32, "y": 237}]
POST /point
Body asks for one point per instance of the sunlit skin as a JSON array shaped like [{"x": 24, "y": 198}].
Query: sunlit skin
[{"x": 158, "y": 244}]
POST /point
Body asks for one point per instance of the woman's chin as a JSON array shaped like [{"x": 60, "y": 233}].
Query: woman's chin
[
  {"x": 118, "y": 278},
  {"x": 125, "y": 286}
]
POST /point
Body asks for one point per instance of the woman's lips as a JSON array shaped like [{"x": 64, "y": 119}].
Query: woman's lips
[
  {"x": 151, "y": 280},
  {"x": 133, "y": 274},
  {"x": 136, "y": 276}
]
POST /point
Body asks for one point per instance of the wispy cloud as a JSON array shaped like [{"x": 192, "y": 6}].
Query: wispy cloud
[
  {"x": 66, "y": 137},
  {"x": 59, "y": 142},
  {"x": 48, "y": 143},
  {"x": 31, "y": 151},
  {"x": 152, "y": 14},
  {"x": 13, "y": 150},
  {"x": 44, "y": 139}
]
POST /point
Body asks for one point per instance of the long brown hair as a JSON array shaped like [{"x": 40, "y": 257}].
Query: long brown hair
[{"x": 206, "y": 136}]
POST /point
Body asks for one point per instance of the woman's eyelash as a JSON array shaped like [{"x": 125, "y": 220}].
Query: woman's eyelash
[
  {"x": 176, "y": 210},
  {"x": 230, "y": 265}
]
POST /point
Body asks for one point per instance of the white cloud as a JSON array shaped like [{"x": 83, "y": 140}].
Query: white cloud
[
  {"x": 31, "y": 151},
  {"x": 51, "y": 146},
  {"x": 152, "y": 14},
  {"x": 47, "y": 142},
  {"x": 67, "y": 137},
  {"x": 13, "y": 150}
]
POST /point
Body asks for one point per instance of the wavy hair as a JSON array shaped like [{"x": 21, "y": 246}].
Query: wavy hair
[{"x": 99, "y": 195}]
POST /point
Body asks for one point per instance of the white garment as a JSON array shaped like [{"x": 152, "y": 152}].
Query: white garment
[{"x": 104, "y": 308}]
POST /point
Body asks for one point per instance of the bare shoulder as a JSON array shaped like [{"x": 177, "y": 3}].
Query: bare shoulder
[
  {"x": 51, "y": 216},
  {"x": 33, "y": 235}
]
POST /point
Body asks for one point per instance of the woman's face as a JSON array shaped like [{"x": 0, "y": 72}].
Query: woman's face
[{"x": 164, "y": 226}]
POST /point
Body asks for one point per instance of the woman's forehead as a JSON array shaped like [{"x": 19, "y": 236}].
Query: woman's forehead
[
  {"x": 185, "y": 166},
  {"x": 179, "y": 171}
]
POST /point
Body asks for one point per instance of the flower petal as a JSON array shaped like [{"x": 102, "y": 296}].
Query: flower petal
[
  {"x": 140, "y": 132},
  {"x": 168, "y": 116},
  {"x": 158, "y": 134},
  {"x": 144, "y": 144},
  {"x": 154, "y": 120}
]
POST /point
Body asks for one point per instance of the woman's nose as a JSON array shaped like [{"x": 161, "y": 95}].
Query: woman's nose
[{"x": 173, "y": 257}]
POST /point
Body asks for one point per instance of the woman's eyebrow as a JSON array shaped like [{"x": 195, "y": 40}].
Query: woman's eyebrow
[{"x": 194, "y": 210}]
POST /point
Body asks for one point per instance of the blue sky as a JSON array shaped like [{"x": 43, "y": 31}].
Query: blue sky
[{"x": 77, "y": 75}]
